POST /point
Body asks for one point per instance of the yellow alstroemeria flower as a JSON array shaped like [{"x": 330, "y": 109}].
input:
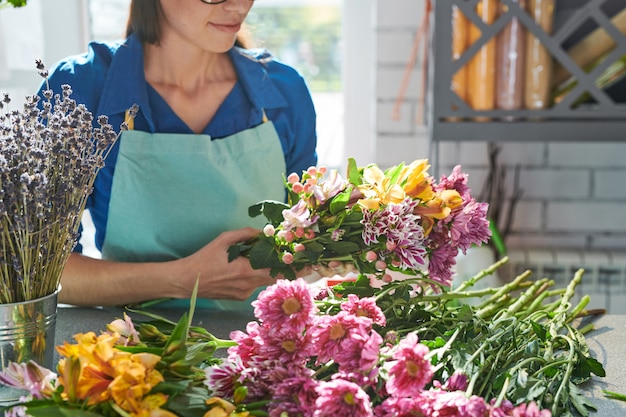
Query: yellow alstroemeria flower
[
  {"x": 451, "y": 198},
  {"x": 378, "y": 189},
  {"x": 90, "y": 379},
  {"x": 417, "y": 183},
  {"x": 222, "y": 408},
  {"x": 135, "y": 376}
]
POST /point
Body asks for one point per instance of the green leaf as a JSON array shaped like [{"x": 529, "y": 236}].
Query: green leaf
[
  {"x": 394, "y": 172},
  {"x": 614, "y": 395},
  {"x": 343, "y": 247},
  {"x": 339, "y": 202},
  {"x": 60, "y": 411},
  {"x": 263, "y": 254},
  {"x": 354, "y": 176},
  {"x": 539, "y": 330},
  {"x": 579, "y": 401},
  {"x": 585, "y": 367},
  {"x": 272, "y": 210}
]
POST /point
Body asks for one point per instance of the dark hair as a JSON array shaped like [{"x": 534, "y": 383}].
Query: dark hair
[{"x": 143, "y": 21}]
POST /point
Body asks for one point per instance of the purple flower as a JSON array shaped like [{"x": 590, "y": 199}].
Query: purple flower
[
  {"x": 342, "y": 398},
  {"x": 221, "y": 380},
  {"x": 295, "y": 396},
  {"x": 400, "y": 229}
]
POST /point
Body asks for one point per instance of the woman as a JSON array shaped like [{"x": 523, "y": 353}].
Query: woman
[{"x": 218, "y": 126}]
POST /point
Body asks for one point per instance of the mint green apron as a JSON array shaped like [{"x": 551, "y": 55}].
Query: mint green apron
[{"x": 174, "y": 193}]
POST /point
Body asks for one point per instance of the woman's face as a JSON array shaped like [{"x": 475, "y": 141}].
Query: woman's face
[{"x": 211, "y": 27}]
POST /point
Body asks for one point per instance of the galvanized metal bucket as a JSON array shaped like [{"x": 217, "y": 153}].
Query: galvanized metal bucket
[{"x": 27, "y": 331}]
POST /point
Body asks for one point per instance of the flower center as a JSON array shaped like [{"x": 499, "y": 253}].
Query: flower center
[
  {"x": 289, "y": 346},
  {"x": 291, "y": 305},
  {"x": 349, "y": 398},
  {"x": 337, "y": 332},
  {"x": 412, "y": 368}
]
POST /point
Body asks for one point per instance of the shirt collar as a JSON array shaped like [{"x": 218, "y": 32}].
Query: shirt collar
[
  {"x": 125, "y": 84},
  {"x": 252, "y": 69}
]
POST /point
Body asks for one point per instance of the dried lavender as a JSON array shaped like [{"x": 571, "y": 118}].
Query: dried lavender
[{"x": 50, "y": 155}]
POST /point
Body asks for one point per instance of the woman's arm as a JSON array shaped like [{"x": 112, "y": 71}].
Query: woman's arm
[{"x": 88, "y": 282}]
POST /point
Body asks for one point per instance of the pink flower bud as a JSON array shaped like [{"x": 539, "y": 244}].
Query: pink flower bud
[
  {"x": 297, "y": 187},
  {"x": 390, "y": 245},
  {"x": 334, "y": 264},
  {"x": 312, "y": 171},
  {"x": 293, "y": 178},
  {"x": 396, "y": 263},
  {"x": 381, "y": 265},
  {"x": 299, "y": 231},
  {"x": 310, "y": 234},
  {"x": 371, "y": 256},
  {"x": 298, "y": 247},
  {"x": 311, "y": 181},
  {"x": 287, "y": 258},
  {"x": 387, "y": 278},
  {"x": 269, "y": 230},
  {"x": 322, "y": 170},
  {"x": 288, "y": 236}
]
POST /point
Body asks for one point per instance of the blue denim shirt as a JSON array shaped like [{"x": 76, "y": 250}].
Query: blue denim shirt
[{"x": 109, "y": 79}]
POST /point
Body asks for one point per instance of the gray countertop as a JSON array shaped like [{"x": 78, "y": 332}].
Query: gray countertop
[{"x": 607, "y": 343}]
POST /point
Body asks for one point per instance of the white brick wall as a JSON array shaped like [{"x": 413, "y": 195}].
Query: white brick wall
[{"x": 574, "y": 193}]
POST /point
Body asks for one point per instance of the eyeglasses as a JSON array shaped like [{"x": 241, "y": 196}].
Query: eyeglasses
[{"x": 214, "y": 1}]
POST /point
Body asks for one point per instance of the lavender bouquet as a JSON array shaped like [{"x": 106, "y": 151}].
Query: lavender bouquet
[{"x": 50, "y": 153}]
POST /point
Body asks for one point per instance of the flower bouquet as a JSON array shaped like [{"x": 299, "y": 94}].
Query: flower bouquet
[
  {"x": 398, "y": 220},
  {"x": 387, "y": 352}
]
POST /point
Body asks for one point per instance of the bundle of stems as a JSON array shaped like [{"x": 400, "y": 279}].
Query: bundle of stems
[{"x": 522, "y": 341}]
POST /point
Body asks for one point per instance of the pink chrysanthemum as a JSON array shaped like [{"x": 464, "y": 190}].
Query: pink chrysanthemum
[
  {"x": 398, "y": 407},
  {"x": 348, "y": 340},
  {"x": 342, "y": 398},
  {"x": 286, "y": 307},
  {"x": 291, "y": 348},
  {"x": 530, "y": 410},
  {"x": 410, "y": 371},
  {"x": 294, "y": 396},
  {"x": 248, "y": 342},
  {"x": 457, "y": 382},
  {"x": 469, "y": 225},
  {"x": 365, "y": 307},
  {"x": 455, "y": 403}
]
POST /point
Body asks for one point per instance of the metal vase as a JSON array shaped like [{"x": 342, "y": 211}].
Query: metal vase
[{"x": 27, "y": 331}]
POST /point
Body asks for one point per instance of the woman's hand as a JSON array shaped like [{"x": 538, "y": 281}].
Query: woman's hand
[{"x": 219, "y": 278}]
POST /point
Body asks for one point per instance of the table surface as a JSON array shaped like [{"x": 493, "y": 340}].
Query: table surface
[{"x": 606, "y": 343}]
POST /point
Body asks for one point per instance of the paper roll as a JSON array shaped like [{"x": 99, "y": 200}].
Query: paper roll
[
  {"x": 481, "y": 68},
  {"x": 510, "y": 63},
  {"x": 538, "y": 74}
]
